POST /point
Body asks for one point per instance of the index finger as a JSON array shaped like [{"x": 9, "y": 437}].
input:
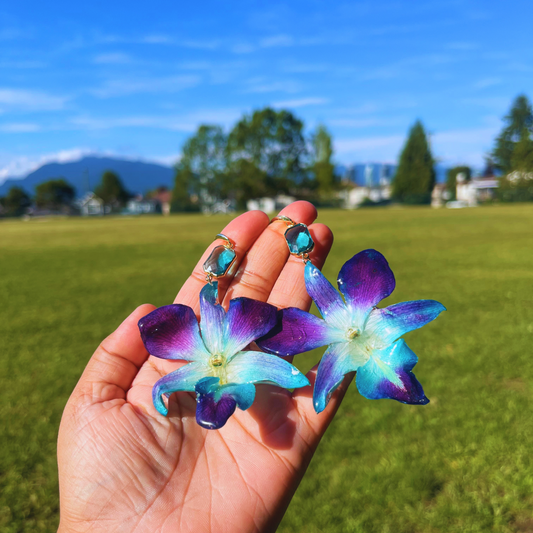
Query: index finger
[{"x": 243, "y": 232}]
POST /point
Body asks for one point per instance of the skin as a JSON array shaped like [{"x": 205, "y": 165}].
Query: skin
[{"x": 125, "y": 468}]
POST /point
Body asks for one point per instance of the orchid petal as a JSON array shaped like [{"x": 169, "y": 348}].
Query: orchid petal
[
  {"x": 258, "y": 367},
  {"x": 365, "y": 280},
  {"x": 387, "y": 374},
  {"x": 337, "y": 361},
  {"x": 171, "y": 332},
  {"x": 390, "y": 323},
  {"x": 246, "y": 321},
  {"x": 183, "y": 379},
  {"x": 215, "y": 403},
  {"x": 297, "y": 331},
  {"x": 326, "y": 297},
  {"x": 212, "y": 319}
]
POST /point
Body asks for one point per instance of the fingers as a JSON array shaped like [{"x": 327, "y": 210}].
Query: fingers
[
  {"x": 243, "y": 231},
  {"x": 113, "y": 367},
  {"x": 267, "y": 257},
  {"x": 289, "y": 289}
]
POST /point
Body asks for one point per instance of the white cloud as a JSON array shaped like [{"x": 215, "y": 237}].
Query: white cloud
[
  {"x": 487, "y": 82},
  {"x": 354, "y": 146},
  {"x": 260, "y": 85},
  {"x": 25, "y": 100},
  {"x": 116, "y": 58},
  {"x": 302, "y": 102},
  {"x": 354, "y": 122},
  {"x": 169, "y": 84},
  {"x": 243, "y": 48},
  {"x": 19, "y": 127},
  {"x": 276, "y": 40}
]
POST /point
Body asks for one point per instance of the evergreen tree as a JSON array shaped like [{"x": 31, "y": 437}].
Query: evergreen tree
[
  {"x": 520, "y": 118},
  {"x": 522, "y": 156},
  {"x": 15, "y": 202},
  {"x": 451, "y": 178},
  {"x": 323, "y": 168},
  {"x": 415, "y": 177},
  {"x": 54, "y": 194},
  {"x": 111, "y": 190}
]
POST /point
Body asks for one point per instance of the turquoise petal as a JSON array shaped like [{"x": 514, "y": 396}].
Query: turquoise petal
[
  {"x": 183, "y": 379},
  {"x": 387, "y": 374},
  {"x": 258, "y": 367}
]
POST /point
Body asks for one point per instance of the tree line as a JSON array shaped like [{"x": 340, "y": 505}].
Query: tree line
[
  {"x": 267, "y": 153},
  {"x": 57, "y": 196}
]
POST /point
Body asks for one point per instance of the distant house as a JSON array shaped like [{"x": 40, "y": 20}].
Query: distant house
[
  {"x": 355, "y": 196},
  {"x": 476, "y": 190},
  {"x": 164, "y": 197},
  {"x": 439, "y": 195},
  {"x": 91, "y": 205},
  {"x": 269, "y": 205},
  {"x": 142, "y": 206}
]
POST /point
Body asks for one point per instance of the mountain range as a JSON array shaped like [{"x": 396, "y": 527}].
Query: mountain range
[{"x": 84, "y": 175}]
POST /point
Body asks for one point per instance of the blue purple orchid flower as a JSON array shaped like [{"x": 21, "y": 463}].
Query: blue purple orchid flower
[
  {"x": 218, "y": 371},
  {"x": 360, "y": 337}
]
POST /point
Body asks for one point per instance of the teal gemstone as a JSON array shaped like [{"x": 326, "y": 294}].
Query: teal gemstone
[
  {"x": 299, "y": 240},
  {"x": 219, "y": 261}
]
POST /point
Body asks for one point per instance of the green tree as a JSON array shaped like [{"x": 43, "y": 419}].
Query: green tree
[
  {"x": 111, "y": 190},
  {"x": 15, "y": 202},
  {"x": 182, "y": 196},
  {"x": 522, "y": 156},
  {"x": 519, "y": 118},
  {"x": 451, "y": 178},
  {"x": 323, "y": 168},
  {"x": 415, "y": 177},
  {"x": 54, "y": 194},
  {"x": 245, "y": 182},
  {"x": 273, "y": 141}
]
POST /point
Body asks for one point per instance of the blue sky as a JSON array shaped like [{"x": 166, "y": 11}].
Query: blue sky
[{"x": 135, "y": 79}]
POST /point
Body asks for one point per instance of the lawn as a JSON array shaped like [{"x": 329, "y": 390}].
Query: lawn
[{"x": 461, "y": 464}]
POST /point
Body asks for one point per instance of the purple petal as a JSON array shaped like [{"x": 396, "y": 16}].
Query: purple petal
[
  {"x": 326, "y": 297},
  {"x": 394, "y": 321},
  {"x": 387, "y": 374},
  {"x": 258, "y": 367},
  {"x": 297, "y": 331},
  {"x": 171, "y": 332},
  {"x": 183, "y": 379},
  {"x": 336, "y": 362},
  {"x": 212, "y": 318},
  {"x": 365, "y": 280},
  {"x": 216, "y": 403},
  {"x": 246, "y": 321}
]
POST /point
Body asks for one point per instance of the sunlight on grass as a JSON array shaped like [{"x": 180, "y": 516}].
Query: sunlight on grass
[{"x": 461, "y": 464}]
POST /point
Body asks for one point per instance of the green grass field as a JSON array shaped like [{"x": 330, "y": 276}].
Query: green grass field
[{"x": 461, "y": 464}]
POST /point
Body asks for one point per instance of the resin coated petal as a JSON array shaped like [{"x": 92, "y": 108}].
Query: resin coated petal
[
  {"x": 216, "y": 403},
  {"x": 326, "y": 297},
  {"x": 171, "y": 332},
  {"x": 365, "y": 280},
  {"x": 390, "y": 323},
  {"x": 183, "y": 379},
  {"x": 297, "y": 331},
  {"x": 246, "y": 321},
  {"x": 258, "y": 367},
  {"x": 387, "y": 374},
  {"x": 212, "y": 320},
  {"x": 336, "y": 362}
]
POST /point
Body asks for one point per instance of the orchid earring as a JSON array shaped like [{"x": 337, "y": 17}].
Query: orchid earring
[
  {"x": 297, "y": 237},
  {"x": 219, "y": 368}
]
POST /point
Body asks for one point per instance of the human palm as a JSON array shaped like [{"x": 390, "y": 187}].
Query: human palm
[{"x": 124, "y": 467}]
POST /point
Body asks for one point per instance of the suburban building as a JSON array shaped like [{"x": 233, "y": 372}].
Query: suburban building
[{"x": 91, "y": 205}]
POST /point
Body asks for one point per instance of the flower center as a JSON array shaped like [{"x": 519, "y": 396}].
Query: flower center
[
  {"x": 217, "y": 360},
  {"x": 352, "y": 333}
]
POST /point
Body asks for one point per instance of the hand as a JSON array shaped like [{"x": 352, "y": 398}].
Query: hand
[{"x": 124, "y": 467}]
